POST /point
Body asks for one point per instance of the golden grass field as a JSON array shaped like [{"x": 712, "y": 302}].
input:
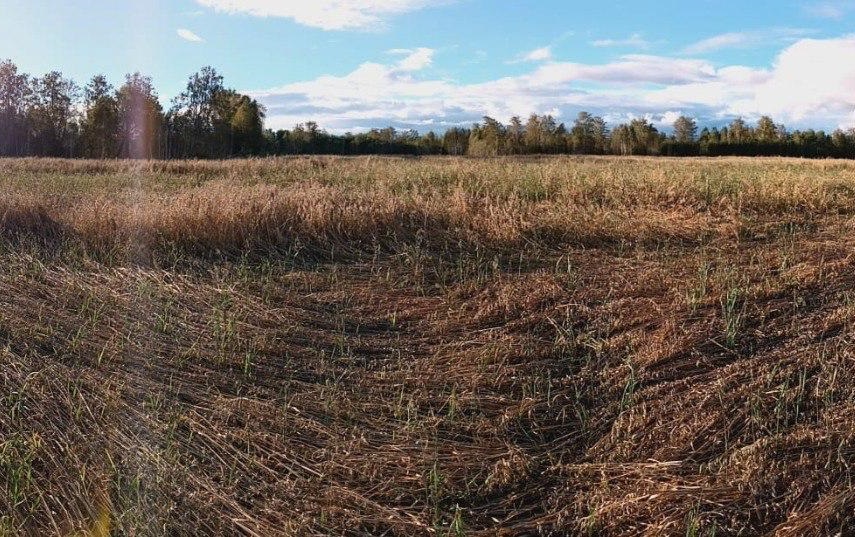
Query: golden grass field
[{"x": 438, "y": 346}]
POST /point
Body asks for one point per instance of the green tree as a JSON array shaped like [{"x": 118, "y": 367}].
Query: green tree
[
  {"x": 247, "y": 126},
  {"x": 14, "y": 96},
  {"x": 516, "y": 133},
  {"x": 455, "y": 141},
  {"x": 621, "y": 140},
  {"x": 100, "y": 125},
  {"x": 487, "y": 140},
  {"x": 738, "y": 132},
  {"x": 589, "y": 134},
  {"x": 534, "y": 137},
  {"x": 639, "y": 137},
  {"x": 685, "y": 130},
  {"x": 645, "y": 137},
  {"x": 766, "y": 130},
  {"x": 140, "y": 117},
  {"x": 194, "y": 114},
  {"x": 600, "y": 133},
  {"x": 51, "y": 115},
  {"x": 429, "y": 144}
]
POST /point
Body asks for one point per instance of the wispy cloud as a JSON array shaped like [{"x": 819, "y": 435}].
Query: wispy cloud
[
  {"x": 745, "y": 39},
  {"x": 634, "y": 41},
  {"x": 187, "y": 35},
  {"x": 830, "y": 9},
  {"x": 542, "y": 54},
  {"x": 414, "y": 59},
  {"x": 539, "y": 55},
  {"x": 810, "y": 81},
  {"x": 325, "y": 14},
  {"x": 479, "y": 56}
]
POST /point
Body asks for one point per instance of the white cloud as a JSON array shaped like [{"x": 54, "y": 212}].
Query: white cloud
[
  {"x": 377, "y": 94},
  {"x": 538, "y": 55},
  {"x": 633, "y": 41},
  {"x": 667, "y": 119},
  {"x": 325, "y": 14},
  {"x": 812, "y": 82},
  {"x": 813, "y": 78},
  {"x": 415, "y": 59},
  {"x": 745, "y": 39},
  {"x": 717, "y": 42},
  {"x": 187, "y": 35}
]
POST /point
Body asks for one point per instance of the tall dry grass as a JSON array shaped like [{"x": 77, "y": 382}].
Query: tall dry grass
[{"x": 322, "y": 206}]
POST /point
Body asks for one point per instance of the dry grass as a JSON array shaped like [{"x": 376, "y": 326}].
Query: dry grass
[{"x": 427, "y": 347}]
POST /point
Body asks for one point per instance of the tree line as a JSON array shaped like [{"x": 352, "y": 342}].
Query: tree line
[
  {"x": 53, "y": 116},
  {"x": 591, "y": 135}
]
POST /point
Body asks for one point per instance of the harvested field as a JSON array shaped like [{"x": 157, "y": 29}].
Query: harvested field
[{"x": 438, "y": 346}]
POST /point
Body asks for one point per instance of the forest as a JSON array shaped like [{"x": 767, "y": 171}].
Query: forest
[{"x": 53, "y": 116}]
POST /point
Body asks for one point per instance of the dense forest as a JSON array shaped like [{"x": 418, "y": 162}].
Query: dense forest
[{"x": 54, "y": 116}]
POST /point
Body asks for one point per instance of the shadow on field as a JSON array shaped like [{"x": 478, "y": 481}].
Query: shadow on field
[{"x": 32, "y": 224}]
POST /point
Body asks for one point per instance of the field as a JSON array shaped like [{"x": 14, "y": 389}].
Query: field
[{"x": 371, "y": 346}]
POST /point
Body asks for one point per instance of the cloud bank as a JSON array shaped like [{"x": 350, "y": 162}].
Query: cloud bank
[{"x": 811, "y": 82}]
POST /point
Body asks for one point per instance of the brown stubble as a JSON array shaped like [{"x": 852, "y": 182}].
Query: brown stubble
[{"x": 417, "y": 346}]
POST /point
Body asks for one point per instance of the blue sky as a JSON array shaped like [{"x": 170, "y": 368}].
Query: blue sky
[{"x": 430, "y": 64}]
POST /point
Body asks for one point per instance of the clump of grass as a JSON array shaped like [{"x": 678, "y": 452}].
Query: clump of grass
[
  {"x": 696, "y": 295},
  {"x": 732, "y": 312},
  {"x": 17, "y": 455}
]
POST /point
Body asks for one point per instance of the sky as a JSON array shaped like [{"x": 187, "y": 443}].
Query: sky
[{"x": 352, "y": 65}]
